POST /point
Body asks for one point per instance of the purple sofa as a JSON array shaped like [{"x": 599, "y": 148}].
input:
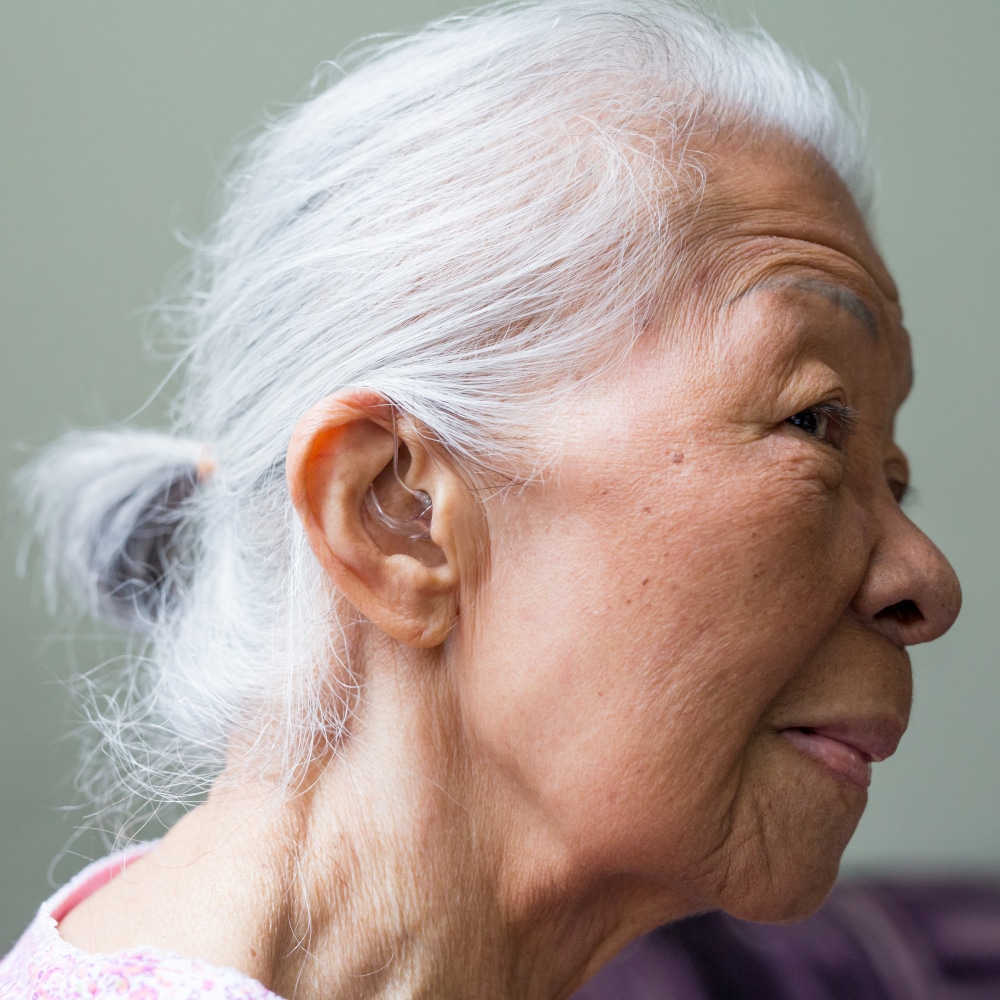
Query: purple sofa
[{"x": 889, "y": 939}]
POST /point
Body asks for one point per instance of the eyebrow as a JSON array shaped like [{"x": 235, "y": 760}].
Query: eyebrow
[{"x": 841, "y": 297}]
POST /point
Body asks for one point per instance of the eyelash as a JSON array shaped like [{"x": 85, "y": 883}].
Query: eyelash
[
  {"x": 903, "y": 492},
  {"x": 831, "y": 423}
]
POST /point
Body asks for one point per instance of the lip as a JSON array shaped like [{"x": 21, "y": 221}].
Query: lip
[{"x": 848, "y": 749}]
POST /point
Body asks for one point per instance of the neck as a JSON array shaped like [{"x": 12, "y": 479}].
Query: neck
[{"x": 405, "y": 870}]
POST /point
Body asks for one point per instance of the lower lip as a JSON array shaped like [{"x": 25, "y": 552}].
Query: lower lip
[{"x": 845, "y": 761}]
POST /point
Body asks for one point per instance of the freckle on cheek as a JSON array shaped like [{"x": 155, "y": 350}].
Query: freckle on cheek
[{"x": 677, "y": 457}]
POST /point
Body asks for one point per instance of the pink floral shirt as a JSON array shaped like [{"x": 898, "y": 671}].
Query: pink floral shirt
[{"x": 42, "y": 966}]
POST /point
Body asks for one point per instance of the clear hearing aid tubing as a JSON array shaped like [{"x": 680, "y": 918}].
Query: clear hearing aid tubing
[{"x": 417, "y": 525}]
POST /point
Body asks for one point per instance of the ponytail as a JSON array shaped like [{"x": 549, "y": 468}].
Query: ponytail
[{"x": 110, "y": 510}]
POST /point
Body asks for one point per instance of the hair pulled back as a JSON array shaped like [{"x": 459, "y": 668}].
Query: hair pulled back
[{"x": 465, "y": 221}]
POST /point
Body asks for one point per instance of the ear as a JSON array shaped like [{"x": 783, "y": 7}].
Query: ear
[{"x": 341, "y": 449}]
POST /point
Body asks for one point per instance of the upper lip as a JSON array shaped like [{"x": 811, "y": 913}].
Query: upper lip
[{"x": 875, "y": 738}]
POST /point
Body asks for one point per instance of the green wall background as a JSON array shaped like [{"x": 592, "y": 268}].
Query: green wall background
[{"x": 114, "y": 118}]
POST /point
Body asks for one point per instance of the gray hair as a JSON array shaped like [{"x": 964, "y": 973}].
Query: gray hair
[{"x": 466, "y": 221}]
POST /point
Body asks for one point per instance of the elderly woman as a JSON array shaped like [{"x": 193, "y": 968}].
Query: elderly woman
[{"x": 528, "y": 568}]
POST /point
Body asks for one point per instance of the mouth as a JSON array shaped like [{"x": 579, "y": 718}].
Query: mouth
[{"x": 848, "y": 749}]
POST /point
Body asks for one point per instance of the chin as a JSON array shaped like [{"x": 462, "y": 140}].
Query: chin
[
  {"x": 786, "y": 904},
  {"x": 787, "y": 878}
]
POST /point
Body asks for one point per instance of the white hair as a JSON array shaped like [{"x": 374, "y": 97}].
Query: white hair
[{"x": 465, "y": 221}]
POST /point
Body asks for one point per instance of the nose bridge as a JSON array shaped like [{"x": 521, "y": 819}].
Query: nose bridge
[{"x": 910, "y": 591}]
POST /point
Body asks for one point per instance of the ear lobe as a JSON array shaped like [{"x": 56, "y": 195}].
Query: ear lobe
[{"x": 407, "y": 587}]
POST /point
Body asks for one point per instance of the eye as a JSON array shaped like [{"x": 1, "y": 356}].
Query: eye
[
  {"x": 901, "y": 490},
  {"x": 830, "y": 423}
]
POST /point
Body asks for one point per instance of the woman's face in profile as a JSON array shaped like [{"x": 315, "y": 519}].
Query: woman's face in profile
[{"x": 692, "y": 643}]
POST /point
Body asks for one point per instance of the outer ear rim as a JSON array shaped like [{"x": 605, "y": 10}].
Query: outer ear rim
[{"x": 337, "y": 449}]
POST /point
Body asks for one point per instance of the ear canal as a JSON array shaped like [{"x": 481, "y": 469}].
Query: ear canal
[{"x": 417, "y": 526}]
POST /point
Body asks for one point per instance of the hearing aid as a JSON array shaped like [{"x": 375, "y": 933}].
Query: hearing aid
[{"x": 418, "y": 524}]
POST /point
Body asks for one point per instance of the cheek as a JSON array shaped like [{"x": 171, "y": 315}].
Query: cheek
[
  {"x": 752, "y": 570},
  {"x": 624, "y": 663}
]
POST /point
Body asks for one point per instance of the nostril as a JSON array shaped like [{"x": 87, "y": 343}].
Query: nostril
[{"x": 904, "y": 612}]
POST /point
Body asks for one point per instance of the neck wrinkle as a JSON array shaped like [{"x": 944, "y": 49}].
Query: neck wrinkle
[
  {"x": 407, "y": 868},
  {"x": 411, "y": 881}
]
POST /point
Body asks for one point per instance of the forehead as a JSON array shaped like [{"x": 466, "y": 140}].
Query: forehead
[
  {"x": 776, "y": 233},
  {"x": 770, "y": 202},
  {"x": 774, "y": 213}
]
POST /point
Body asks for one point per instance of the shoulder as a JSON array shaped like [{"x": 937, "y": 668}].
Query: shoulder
[{"x": 43, "y": 966}]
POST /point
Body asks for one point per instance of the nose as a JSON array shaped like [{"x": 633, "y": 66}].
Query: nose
[{"x": 910, "y": 592}]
